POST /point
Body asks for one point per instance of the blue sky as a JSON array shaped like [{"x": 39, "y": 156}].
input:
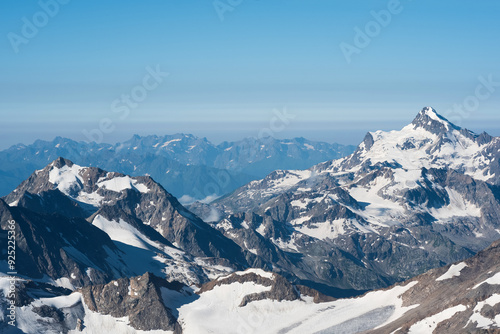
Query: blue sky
[{"x": 227, "y": 78}]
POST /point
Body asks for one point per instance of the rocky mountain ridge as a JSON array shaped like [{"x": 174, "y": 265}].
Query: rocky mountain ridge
[{"x": 138, "y": 225}]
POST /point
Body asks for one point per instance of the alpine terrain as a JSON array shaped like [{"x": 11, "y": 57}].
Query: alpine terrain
[{"x": 407, "y": 227}]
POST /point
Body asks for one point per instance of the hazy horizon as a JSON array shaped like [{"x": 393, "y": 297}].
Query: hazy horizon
[
  {"x": 341, "y": 68},
  {"x": 345, "y": 133}
]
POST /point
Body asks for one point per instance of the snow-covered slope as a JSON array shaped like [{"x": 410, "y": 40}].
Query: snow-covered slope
[
  {"x": 454, "y": 299},
  {"x": 404, "y": 202}
]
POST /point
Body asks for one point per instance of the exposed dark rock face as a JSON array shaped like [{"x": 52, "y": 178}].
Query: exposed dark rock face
[
  {"x": 51, "y": 201},
  {"x": 46, "y": 311},
  {"x": 139, "y": 298},
  {"x": 54, "y": 245}
]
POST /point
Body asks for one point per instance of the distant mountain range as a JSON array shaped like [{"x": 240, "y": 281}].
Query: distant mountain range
[
  {"x": 101, "y": 250},
  {"x": 186, "y": 165}
]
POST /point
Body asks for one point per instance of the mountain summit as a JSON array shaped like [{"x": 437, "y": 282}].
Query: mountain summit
[
  {"x": 430, "y": 141},
  {"x": 431, "y": 121}
]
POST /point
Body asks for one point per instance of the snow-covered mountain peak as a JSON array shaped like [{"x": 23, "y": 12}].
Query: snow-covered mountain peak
[
  {"x": 432, "y": 113},
  {"x": 89, "y": 185},
  {"x": 66, "y": 176},
  {"x": 431, "y": 121},
  {"x": 430, "y": 141},
  {"x": 69, "y": 177},
  {"x": 426, "y": 130}
]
